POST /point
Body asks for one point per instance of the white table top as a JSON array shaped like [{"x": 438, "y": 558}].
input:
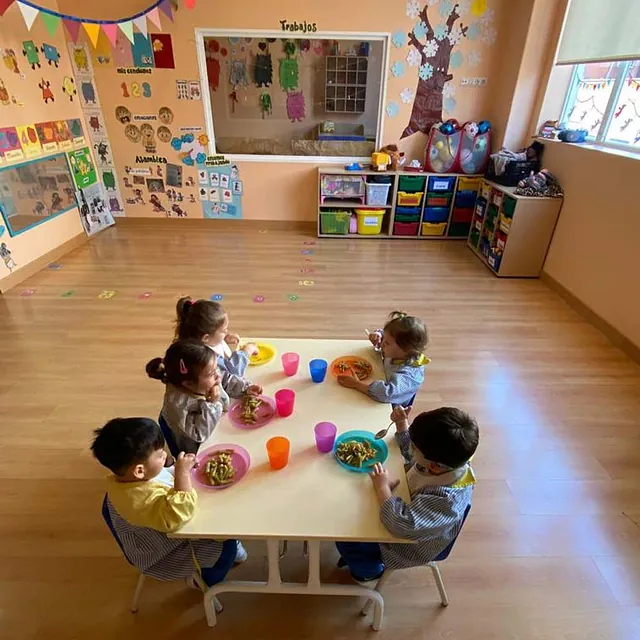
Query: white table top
[{"x": 313, "y": 497}]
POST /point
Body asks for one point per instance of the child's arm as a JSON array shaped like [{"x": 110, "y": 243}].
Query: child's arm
[
  {"x": 400, "y": 416},
  {"x": 401, "y": 383},
  {"x": 202, "y": 418},
  {"x": 237, "y": 362},
  {"x": 236, "y": 386}
]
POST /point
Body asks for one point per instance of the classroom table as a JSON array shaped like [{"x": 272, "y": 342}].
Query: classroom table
[{"x": 313, "y": 499}]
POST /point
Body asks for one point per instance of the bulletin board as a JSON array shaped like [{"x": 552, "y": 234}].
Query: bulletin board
[{"x": 220, "y": 188}]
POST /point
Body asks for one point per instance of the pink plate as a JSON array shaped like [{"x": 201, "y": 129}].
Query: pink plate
[
  {"x": 265, "y": 413},
  {"x": 239, "y": 459}
]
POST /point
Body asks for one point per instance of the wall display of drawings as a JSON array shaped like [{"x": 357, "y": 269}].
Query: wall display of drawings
[
  {"x": 220, "y": 188},
  {"x": 94, "y": 209}
]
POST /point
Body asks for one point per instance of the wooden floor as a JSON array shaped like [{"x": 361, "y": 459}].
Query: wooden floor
[{"x": 552, "y": 547}]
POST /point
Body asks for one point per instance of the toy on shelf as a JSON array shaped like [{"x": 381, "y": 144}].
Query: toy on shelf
[{"x": 388, "y": 158}]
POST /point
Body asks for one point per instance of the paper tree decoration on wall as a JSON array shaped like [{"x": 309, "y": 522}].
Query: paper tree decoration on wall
[{"x": 432, "y": 49}]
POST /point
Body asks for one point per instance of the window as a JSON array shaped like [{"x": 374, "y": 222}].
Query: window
[
  {"x": 292, "y": 96},
  {"x": 604, "y": 99}
]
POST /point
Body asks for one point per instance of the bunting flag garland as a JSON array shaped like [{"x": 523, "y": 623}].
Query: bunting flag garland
[
  {"x": 154, "y": 16},
  {"x": 29, "y": 14},
  {"x": 73, "y": 27},
  {"x": 51, "y": 23},
  {"x": 4, "y": 5},
  {"x": 111, "y": 31},
  {"x": 127, "y": 29},
  {"x": 93, "y": 31},
  {"x": 141, "y": 23},
  {"x": 165, "y": 7}
]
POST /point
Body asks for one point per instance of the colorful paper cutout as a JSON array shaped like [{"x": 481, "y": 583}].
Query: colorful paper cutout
[
  {"x": 29, "y": 141},
  {"x": 162, "y": 49},
  {"x": 141, "y": 51},
  {"x": 82, "y": 167}
]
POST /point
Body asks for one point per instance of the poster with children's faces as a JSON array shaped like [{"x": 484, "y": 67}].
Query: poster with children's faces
[{"x": 216, "y": 192}]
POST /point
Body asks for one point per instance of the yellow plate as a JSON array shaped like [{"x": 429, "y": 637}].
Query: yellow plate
[{"x": 266, "y": 353}]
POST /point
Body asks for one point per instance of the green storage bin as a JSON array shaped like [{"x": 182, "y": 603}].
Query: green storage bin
[
  {"x": 412, "y": 183},
  {"x": 459, "y": 229},
  {"x": 334, "y": 222},
  {"x": 509, "y": 206}
]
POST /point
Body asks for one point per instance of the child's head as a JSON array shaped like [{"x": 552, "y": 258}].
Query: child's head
[
  {"x": 202, "y": 320},
  {"x": 446, "y": 437},
  {"x": 133, "y": 448},
  {"x": 404, "y": 336},
  {"x": 187, "y": 363}
]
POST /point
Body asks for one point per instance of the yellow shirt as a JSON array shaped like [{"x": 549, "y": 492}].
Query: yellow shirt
[{"x": 152, "y": 504}]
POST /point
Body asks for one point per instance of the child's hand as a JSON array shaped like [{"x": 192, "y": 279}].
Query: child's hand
[
  {"x": 379, "y": 476},
  {"x": 400, "y": 416},
  {"x": 213, "y": 395},
  {"x": 233, "y": 340},
  {"x": 254, "y": 390},
  {"x": 376, "y": 339},
  {"x": 251, "y": 349},
  {"x": 185, "y": 462},
  {"x": 350, "y": 382}
]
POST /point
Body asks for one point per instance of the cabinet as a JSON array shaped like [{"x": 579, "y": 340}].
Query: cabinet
[{"x": 346, "y": 84}]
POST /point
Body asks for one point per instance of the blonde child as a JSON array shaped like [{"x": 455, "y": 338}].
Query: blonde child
[
  {"x": 402, "y": 342},
  {"x": 437, "y": 448},
  {"x": 208, "y": 322},
  {"x": 145, "y": 501},
  {"x": 196, "y": 392}
]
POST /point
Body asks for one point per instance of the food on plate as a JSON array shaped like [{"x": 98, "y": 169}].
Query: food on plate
[
  {"x": 361, "y": 369},
  {"x": 355, "y": 452},
  {"x": 249, "y": 412},
  {"x": 219, "y": 468}
]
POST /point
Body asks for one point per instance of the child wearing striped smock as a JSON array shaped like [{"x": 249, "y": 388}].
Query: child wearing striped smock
[
  {"x": 437, "y": 448},
  {"x": 401, "y": 342},
  {"x": 146, "y": 501}
]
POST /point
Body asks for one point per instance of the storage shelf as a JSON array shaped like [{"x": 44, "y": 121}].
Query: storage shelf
[{"x": 352, "y": 205}]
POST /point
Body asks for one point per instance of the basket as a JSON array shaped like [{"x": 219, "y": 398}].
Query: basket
[
  {"x": 438, "y": 198},
  {"x": 406, "y": 228},
  {"x": 441, "y": 183},
  {"x": 435, "y": 214},
  {"x": 412, "y": 183},
  {"x": 458, "y": 230},
  {"x": 433, "y": 229},
  {"x": 409, "y": 199},
  {"x": 377, "y": 193},
  {"x": 334, "y": 222},
  {"x": 468, "y": 184},
  {"x": 369, "y": 221}
]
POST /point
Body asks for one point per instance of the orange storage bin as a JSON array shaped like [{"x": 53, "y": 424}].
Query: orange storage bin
[{"x": 410, "y": 199}]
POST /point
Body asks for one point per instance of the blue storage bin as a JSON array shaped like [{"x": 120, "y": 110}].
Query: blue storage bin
[
  {"x": 409, "y": 211},
  {"x": 435, "y": 214},
  {"x": 441, "y": 183},
  {"x": 466, "y": 199}
]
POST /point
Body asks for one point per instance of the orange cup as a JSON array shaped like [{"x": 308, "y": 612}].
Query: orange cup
[{"x": 278, "y": 452}]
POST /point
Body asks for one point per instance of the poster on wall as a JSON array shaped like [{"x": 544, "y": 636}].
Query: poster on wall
[
  {"x": 222, "y": 202},
  {"x": 141, "y": 51},
  {"x": 94, "y": 209},
  {"x": 82, "y": 167},
  {"x": 162, "y": 50},
  {"x": 10, "y": 148},
  {"x": 28, "y": 136}
]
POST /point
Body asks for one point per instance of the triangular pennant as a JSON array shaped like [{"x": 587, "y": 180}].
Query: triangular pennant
[
  {"x": 165, "y": 7},
  {"x": 93, "y": 31},
  {"x": 127, "y": 28},
  {"x": 73, "y": 27},
  {"x": 4, "y": 5},
  {"x": 141, "y": 23},
  {"x": 51, "y": 22},
  {"x": 111, "y": 31},
  {"x": 154, "y": 16},
  {"x": 29, "y": 14},
  {"x": 190, "y": 4}
]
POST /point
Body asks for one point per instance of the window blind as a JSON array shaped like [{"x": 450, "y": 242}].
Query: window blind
[{"x": 598, "y": 30}]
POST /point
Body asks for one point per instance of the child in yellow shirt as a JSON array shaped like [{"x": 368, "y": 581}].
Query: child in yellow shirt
[{"x": 146, "y": 501}]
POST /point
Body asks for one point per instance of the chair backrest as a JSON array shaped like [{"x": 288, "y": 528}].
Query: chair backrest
[
  {"x": 106, "y": 516},
  {"x": 168, "y": 436},
  {"x": 444, "y": 554}
]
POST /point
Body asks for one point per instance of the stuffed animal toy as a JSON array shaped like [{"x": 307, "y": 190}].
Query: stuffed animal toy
[{"x": 397, "y": 157}]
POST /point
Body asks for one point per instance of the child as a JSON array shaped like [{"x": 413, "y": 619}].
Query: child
[
  {"x": 208, "y": 322},
  {"x": 196, "y": 393},
  {"x": 402, "y": 342},
  {"x": 146, "y": 501},
  {"x": 437, "y": 447}
]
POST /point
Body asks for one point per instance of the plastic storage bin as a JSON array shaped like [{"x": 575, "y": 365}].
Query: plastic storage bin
[
  {"x": 462, "y": 215},
  {"x": 485, "y": 190},
  {"x": 406, "y": 228},
  {"x": 468, "y": 184},
  {"x": 377, "y": 194},
  {"x": 438, "y": 199},
  {"x": 435, "y": 214},
  {"x": 441, "y": 183},
  {"x": 458, "y": 230},
  {"x": 411, "y": 183},
  {"x": 334, "y": 222},
  {"x": 509, "y": 206},
  {"x": 339, "y": 186},
  {"x": 430, "y": 229},
  {"x": 466, "y": 199},
  {"x": 474, "y": 236},
  {"x": 406, "y": 199},
  {"x": 481, "y": 207},
  {"x": 369, "y": 221}
]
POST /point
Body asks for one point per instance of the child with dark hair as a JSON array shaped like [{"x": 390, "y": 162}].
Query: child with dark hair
[
  {"x": 208, "y": 322},
  {"x": 146, "y": 501},
  {"x": 197, "y": 393},
  {"x": 437, "y": 448},
  {"x": 402, "y": 343}
]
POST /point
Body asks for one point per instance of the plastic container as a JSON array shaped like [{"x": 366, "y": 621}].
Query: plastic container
[
  {"x": 353, "y": 223},
  {"x": 466, "y": 199},
  {"x": 278, "y": 451},
  {"x": 458, "y": 229},
  {"x": 380, "y": 179},
  {"x": 325, "y": 433},
  {"x": 481, "y": 207},
  {"x": 431, "y": 229},
  {"x": 318, "y": 370},
  {"x": 468, "y": 184},
  {"x": 334, "y": 222},
  {"x": 474, "y": 236},
  {"x": 413, "y": 217},
  {"x": 441, "y": 183},
  {"x": 408, "y": 211},
  {"x": 435, "y": 214},
  {"x": 406, "y": 199},
  {"x": 342, "y": 186},
  {"x": 411, "y": 183},
  {"x": 497, "y": 197},
  {"x": 377, "y": 194},
  {"x": 285, "y": 401},
  {"x": 369, "y": 221},
  {"x": 509, "y": 206},
  {"x": 438, "y": 199},
  {"x": 494, "y": 260},
  {"x": 462, "y": 215},
  {"x": 406, "y": 228},
  {"x": 290, "y": 363},
  {"x": 485, "y": 190}
]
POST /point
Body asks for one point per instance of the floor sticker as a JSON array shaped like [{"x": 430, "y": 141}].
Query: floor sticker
[
  {"x": 293, "y": 297},
  {"x": 307, "y": 270},
  {"x": 54, "y": 266},
  {"x": 216, "y": 297},
  {"x": 144, "y": 295},
  {"x": 306, "y": 283},
  {"x": 106, "y": 295},
  {"x": 258, "y": 299},
  {"x": 67, "y": 294},
  {"x": 309, "y": 242},
  {"x": 25, "y": 293},
  {"x": 307, "y": 252}
]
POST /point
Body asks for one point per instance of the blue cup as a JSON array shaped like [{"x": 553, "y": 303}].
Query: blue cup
[{"x": 318, "y": 370}]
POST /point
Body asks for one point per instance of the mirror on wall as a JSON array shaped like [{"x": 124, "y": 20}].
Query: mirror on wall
[{"x": 36, "y": 191}]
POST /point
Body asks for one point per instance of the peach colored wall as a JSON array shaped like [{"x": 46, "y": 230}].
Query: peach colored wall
[
  {"x": 289, "y": 184},
  {"x": 32, "y": 244},
  {"x": 594, "y": 253}
]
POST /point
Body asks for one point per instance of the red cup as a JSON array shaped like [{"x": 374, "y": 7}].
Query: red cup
[
  {"x": 285, "y": 400},
  {"x": 290, "y": 362}
]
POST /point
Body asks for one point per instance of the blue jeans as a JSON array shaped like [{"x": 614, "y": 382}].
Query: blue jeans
[
  {"x": 364, "y": 559},
  {"x": 217, "y": 573}
]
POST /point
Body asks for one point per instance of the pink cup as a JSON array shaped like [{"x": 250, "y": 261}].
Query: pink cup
[
  {"x": 325, "y": 433},
  {"x": 290, "y": 362},
  {"x": 285, "y": 399}
]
